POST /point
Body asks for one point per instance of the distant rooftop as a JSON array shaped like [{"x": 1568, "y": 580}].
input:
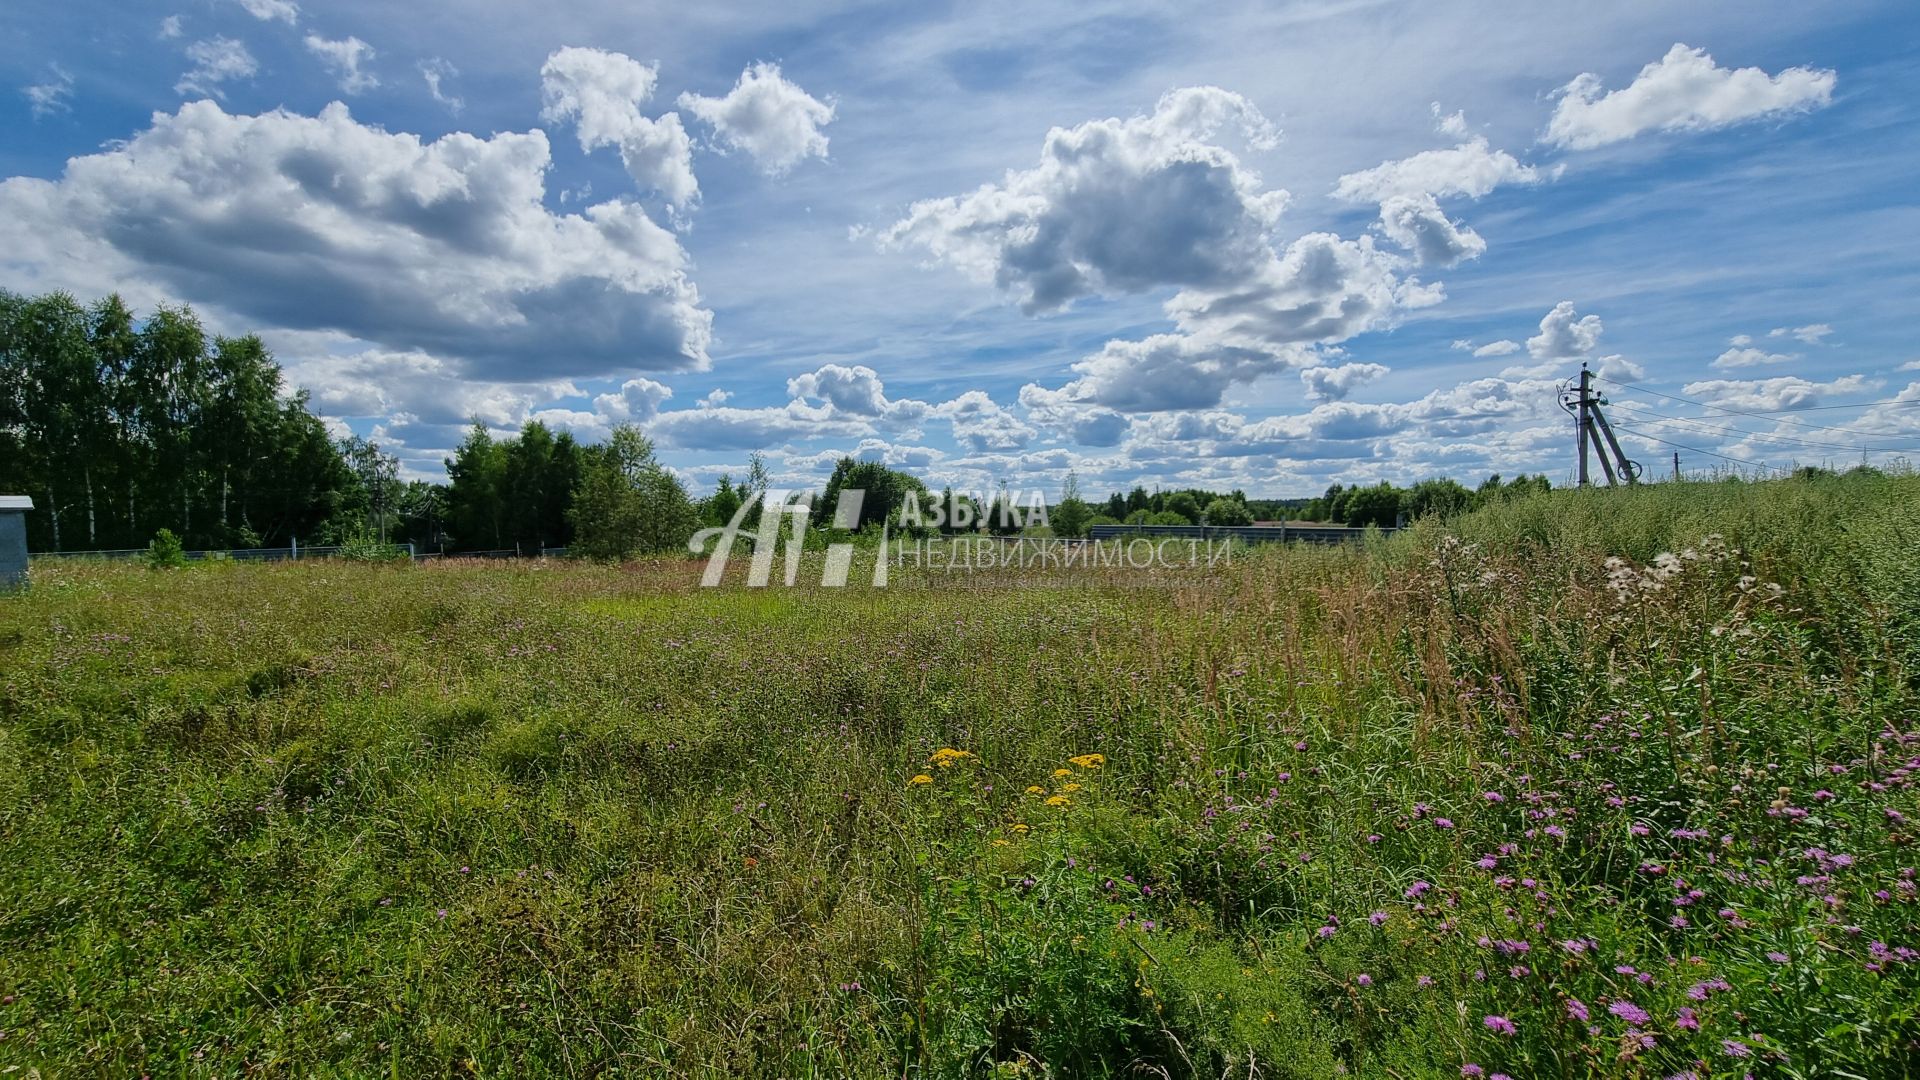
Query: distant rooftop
[{"x": 16, "y": 502}]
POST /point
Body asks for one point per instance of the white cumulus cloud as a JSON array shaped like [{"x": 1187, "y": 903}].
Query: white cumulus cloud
[
  {"x": 1335, "y": 383},
  {"x": 1472, "y": 169},
  {"x": 323, "y": 223},
  {"x": 1812, "y": 334},
  {"x": 601, "y": 92},
  {"x": 1564, "y": 335},
  {"x": 768, "y": 116},
  {"x": 345, "y": 59},
  {"x": 1775, "y": 395},
  {"x": 1114, "y": 206},
  {"x": 1682, "y": 91},
  {"x": 215, "y": 60},
  {"x": 285, "y": 11},
  {"x": 1416, "y": 223},
  {"x": 1739, "y": 357}
]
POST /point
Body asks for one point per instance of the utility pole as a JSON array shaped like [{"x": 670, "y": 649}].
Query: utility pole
[
  {"x": 1676, "y": 465},
  {"x": 1595, "y": 434},
  {"x": 1582, "y": 426}
]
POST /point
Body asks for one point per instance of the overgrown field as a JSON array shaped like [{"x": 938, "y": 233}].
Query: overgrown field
[{"x": 1474, "y": 800}]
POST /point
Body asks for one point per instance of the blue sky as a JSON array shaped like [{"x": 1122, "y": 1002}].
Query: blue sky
[{"x": 1266, "y": 246}]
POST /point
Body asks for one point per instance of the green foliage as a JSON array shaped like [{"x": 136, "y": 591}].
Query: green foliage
[
  {"x": 117, "y": 425},
  {"x": 164, "y": 551},
  {"x": 366, "y": 547},
  {"x": 884, "y": 491},
  {"x": 1225, "y": 511},
  {"x": 626, "y": 504},
  {"x": 1071, "y": 516}
]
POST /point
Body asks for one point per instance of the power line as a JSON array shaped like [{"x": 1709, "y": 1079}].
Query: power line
[
  {"x": 1693, "y": 422},
  {"x": 1697, "y": 450},
  {"x": 1763, "y": 415}
]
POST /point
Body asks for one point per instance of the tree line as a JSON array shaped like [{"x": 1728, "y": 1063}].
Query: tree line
[{"x": 120, "y": 426}]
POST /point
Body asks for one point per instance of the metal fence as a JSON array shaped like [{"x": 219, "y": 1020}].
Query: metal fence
[
  {"x": 304, "y": 551},
  {"x": 1248, "y": 534},
  {"x": 279, "y": 554}
]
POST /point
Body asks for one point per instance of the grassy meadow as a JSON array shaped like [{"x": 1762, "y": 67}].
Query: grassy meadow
[{"x": 1594, "y": 783}]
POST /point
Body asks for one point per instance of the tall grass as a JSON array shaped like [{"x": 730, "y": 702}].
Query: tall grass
[{"x": 1470, "y": 798}]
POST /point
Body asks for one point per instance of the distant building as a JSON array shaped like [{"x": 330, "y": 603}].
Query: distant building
[{"x": 13, "y": 540}]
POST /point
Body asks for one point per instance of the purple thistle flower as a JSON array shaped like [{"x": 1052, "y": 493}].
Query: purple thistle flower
[
  {"x": 1631, "y": 1013},
  {"x": 1363, "y": 979},
  {"x": 1500, "y": 1025},
  {"x": 1577, "y": 1009},
  {"x": 1734, "y": 1048}
]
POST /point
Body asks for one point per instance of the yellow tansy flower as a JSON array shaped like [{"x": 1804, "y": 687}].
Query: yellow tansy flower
[
  {"x": 1058, "y": 800},
  {"x": 1036, "y": 789},
  {"x": 1089, "y": 761},
  {"x": 947, "y": 755},
  {"x": 1069, "y": 787},
  {"x": 1021, "y": 829},
  {"x": 922, "y": 778},
  {"x": 1063, "y": 772}
]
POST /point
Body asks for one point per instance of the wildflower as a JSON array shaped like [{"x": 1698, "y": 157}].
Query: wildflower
[
  {"x": 1363, "y": 979},
  {"x": 1423, "y": 981},
  {"x": 1018, "y": 828},
  {"x": 1442, "y": 823},
  {"x": 921, "y": 778},
  {"x": 1058, "y": 773},
  {"x": 1685, "y": 1019},
  {"x": 1631, "y": 1013},
  {"x": 1059, "y": 801},
  {"x": 1417, "y": 889},
  {"x": 1470, "y": 1069},
  {"x": 1577, "y": 1009},
  {"x": 1778, "y": 957},
  {"x": 946, "y": 756},
  {"x": 1036, "y": 789},
  {"x": 1734, "y": 1048},
  {"x": 1493, "y": 796},
  {"x": 1089, "y": 761},
  {"x": 1069, "y": 787},
  {"x": 1377, "y": 918},
  {"x": 1500, "y": 1025}
]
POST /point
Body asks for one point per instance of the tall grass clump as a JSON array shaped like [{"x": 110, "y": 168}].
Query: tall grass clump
[{"x": 1592, "y": 783}]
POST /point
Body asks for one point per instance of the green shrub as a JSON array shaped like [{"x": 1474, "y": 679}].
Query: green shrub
[{"x": 164, "y": 551}]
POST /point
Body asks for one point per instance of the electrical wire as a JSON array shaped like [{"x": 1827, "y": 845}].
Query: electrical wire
[
  {"x": 1762, "y": 415},
  {"x": 1693, "y": 422},
  {"x": 1697, "y": 450}
]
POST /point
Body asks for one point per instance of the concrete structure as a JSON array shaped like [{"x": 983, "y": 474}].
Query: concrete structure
[{"x": 13, "y": 540}]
